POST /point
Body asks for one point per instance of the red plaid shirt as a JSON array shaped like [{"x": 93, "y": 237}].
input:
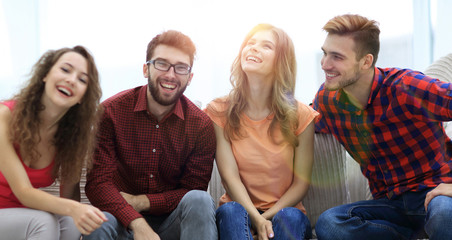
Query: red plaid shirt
[
  {"x": 137, "y": 154},
  {"x": 398, "y": 139}
]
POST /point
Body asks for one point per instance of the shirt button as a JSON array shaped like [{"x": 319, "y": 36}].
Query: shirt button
[
  {"x": 153, "y": 150},
  {"x": 157, "y": 126},
  {"x": 152, "y": 175},
  {"x": 390, "y": 194}
]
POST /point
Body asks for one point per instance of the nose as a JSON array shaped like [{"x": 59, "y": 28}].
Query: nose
[
  {"x": 171, "y": 72},
  {"x": 71, "y": 79},
  {"x": 324, "y": 62}
]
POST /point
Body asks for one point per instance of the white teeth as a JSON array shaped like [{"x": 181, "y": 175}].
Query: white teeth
[
  {"x": 65, "y": 91},
  {"x": 254, "y": 59},
  {"x": 330, "y": 75},
  {"x": 168, "y": 86}
]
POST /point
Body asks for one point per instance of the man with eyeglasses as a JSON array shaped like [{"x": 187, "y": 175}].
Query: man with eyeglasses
[{"x": 155, "y": 151}]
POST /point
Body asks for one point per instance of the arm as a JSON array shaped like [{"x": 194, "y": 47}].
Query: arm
[
  {"x": 426, "y": 98},
  {"x": 86, "y": 218},
  {"x": 320, "y": 123},
  {"x": 100, "y": 188},
  {"x": 233, "y": 185},
  {"x": 303, "y": 161}
]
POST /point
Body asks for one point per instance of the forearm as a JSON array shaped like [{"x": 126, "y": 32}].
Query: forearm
[
  {"x": 238, "y": 193},
  {"x": 41, "y": 200},
  {"x": 291, "y": 197}
]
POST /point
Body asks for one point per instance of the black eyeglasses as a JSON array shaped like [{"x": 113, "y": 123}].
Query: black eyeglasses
[{"x": 180, "y": 68}]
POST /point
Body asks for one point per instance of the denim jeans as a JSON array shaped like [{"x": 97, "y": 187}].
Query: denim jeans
[
  {"x": 400, "y": 218},
  {"x": 233, "y": 223},
  {"x": 194, "y": 218}
]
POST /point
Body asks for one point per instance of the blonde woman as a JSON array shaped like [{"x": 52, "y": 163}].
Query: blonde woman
[{"x": 264, "y": 142}]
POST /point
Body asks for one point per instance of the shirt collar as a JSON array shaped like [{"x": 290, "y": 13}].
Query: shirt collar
[
  {"x": 344, "y": 103},
  {"x": 141, "y": 105}
]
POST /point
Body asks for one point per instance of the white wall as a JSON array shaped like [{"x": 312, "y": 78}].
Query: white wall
[{"x": 117, "y": 33}]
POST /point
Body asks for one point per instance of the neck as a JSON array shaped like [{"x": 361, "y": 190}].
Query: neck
[
  {"x": 358, "y": 93},
  {"x": 258, "y": 102},
  {"x": 50, "y": 118}
]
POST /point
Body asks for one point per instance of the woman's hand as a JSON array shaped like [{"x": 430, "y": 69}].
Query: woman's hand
[
  {"x": 87, "y": 218},
  {"x": 263, "y": 229}
]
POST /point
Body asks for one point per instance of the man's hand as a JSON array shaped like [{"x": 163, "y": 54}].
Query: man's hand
[
  {"x": 444, "y": 189},
  {"x": 138, "y": 202},
  {"x": 142, "y": 231}
]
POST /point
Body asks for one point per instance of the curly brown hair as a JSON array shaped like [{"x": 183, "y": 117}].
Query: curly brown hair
[{"x": 74, "y": 139}]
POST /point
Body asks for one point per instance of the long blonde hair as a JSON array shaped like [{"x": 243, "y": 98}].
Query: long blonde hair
[
  {"x": 75, "y": 136},
  {"x": 283, "y": 102}
]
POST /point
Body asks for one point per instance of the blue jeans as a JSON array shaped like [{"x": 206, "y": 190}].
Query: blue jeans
[
  {"x": 194, "y": 218},
  {"x": 233, "y": 223},
  {"x": 400, "y": 218}
]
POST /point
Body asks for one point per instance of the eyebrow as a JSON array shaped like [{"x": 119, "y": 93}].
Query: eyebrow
[
  {"x": 165, "y": 60},
  {"x": 264, "y": 41},
  {"x": 270, "y": 42},
  {"x": 333, "y": 53}
]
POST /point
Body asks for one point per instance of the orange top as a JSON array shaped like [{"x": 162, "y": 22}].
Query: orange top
[{"x": 265, "y": 167}]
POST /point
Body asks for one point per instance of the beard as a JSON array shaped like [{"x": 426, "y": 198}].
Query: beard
[
  {"x": 344, "y": 82},
  {"x": 158, "y": 97}
]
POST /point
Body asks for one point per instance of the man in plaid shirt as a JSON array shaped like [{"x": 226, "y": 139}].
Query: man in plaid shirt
[
  {"x": 390, "y": 121},
  {"x": 155, "y": 152}
]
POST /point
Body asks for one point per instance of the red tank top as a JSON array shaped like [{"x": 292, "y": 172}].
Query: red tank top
[{"x": 38, "y": 177}]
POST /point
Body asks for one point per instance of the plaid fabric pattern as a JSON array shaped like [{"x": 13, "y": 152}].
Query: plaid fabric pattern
[
  {"x": 137, "y": 154},
  {"x": 398, "y": 139}
]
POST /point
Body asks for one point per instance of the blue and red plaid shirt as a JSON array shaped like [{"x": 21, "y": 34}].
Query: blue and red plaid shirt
[
  {"x": 137, "y": 154},
  {"x": 398, "y": 139}
]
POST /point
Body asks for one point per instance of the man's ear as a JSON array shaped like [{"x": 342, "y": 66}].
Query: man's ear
[
  {"x": 368, "y": 59},
  {"x": 145, "y": 70},
  {"x": 190, "y": 78}
]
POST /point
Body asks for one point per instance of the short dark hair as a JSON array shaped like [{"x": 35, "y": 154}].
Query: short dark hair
[{"x": 364, "y": 32}]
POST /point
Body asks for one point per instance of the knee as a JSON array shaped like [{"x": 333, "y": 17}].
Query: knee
[
  {"x": 325, "y": 224},
  {"x": 197, "y": 199},
  {"x": 230, "y": 209},
  {"x": 438, "y": 214},
  {"x": 108, "y": 229},
  {"x": 291, "y": 214},
  {"x": 47, "y": 221}
]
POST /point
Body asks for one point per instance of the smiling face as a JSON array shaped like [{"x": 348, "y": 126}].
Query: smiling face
[
  {"x": 258, "y": 55},
  {"x": 166, "y": 87},
  {"x": 339, "y": 62},
  {"x": 67, "y": 81}
]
